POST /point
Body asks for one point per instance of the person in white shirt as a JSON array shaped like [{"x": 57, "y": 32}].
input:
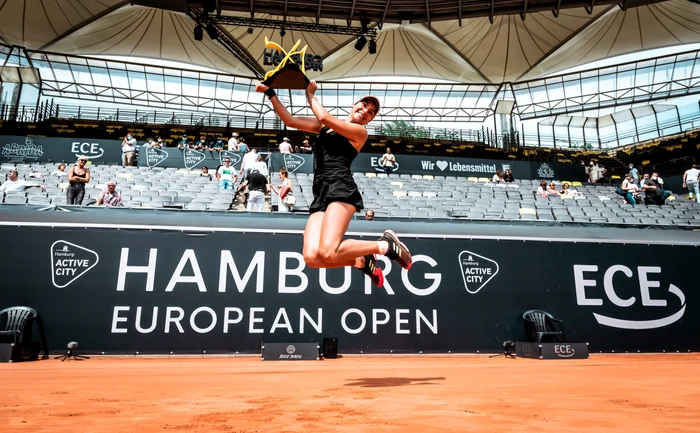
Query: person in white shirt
[
  {"x": 233, "y": 142},
  {"x": 285, "y": 147},
  {"x": 387, "y": 161},
  {"x": 60, "y": 170},
  {"x": 498, "y": 177},
  {"x": 15, "y": 185},
  {"x": 129, "y": 150},
  {"x": 691, "y": 179},
  {"x": 249, "y": 160},
  {"x": 226, "y": 175},
  {"x": 261, "y": 165}
]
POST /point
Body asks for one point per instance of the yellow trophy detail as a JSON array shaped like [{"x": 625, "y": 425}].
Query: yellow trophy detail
[{"x": 288, "y": 74}]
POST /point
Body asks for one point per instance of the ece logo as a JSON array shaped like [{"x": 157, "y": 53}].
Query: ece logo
[
  {"x": 564, "y": 350},
  {"x": 585, "y": 294}
]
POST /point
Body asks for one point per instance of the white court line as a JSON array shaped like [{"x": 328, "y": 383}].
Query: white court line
[{"x": 300, "y": 232}]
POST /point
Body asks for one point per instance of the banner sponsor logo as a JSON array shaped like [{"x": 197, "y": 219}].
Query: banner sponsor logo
[
  {"x": 155, "y": 156},
  {"x": 91, "y": 150},
  {"x": 528, "y": 350},
  {"x": 233, "y": 156},
  {"x": 26, "y": 151},
  {"x": 643, "y": 284},
  {"x": 477, "y": 270},
  {"x": 70, "y": 262},
  {"x": 192, "y": 158},
  {"x": 374, "y": 163},
  {"x": 545, "y": 171},
  {"x": 564, "y": 350},
  {"x": 458, "y": 167},
  {"x": 293, "y": 162}
]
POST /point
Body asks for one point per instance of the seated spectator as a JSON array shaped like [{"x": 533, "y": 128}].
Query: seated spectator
[
  {"x": 498, "y": 177},
  {"x": 305, "y": 147},
  {"x": 508, "y": 176},
  {"x": 205, "y": 172},
  {"x": 110, "y": 197},
  {"x": 60, "y": 170},
  {"x": 226, "y": 175},
  {"x": 552, "y": 190},
  {"x": 566, "y": 190},
  {"x": 149, "y": 143},
  {"x": 655, "y": 193},
  {"x": 14, "y": 184},
  {"x": 184, "y": 142},
  {"x": 218, "y": 144},
  {"x": 369, "y": 215},
  {"x": 285, "y": 146},
  {"x": 542, "y": 189},
  {"x": 158, "y": 143},
  {"x": 629, "y": 190},
  {"x": 202, "y": 144}
]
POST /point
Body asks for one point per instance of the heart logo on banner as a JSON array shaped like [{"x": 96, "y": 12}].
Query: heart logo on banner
[{"x": 442, "y": 165}]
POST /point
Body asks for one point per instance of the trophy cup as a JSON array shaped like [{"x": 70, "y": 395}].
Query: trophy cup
[{"x": 288, "y": 74}]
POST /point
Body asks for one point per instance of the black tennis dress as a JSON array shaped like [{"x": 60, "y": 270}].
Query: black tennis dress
[{"x": 333, "y": 155}]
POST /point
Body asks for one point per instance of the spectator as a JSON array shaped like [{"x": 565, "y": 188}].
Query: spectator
[
  {"x": 284, "y": 192},
  {"x": 305, "y": 147},
  {"x": 498, "y": 177},
  {"x": 654, "y": 191},
  {"x": 183, "y": 143},
  {"x": 508, "y": 176},
  {"x": 285, "y": 147},
  {"x": 552, "y": 190},
  {"x": 594, "y": 172},
  {"x": 110, "y": 197},
  {"x": 60, "y": 170},
  {"x": 257, "y": 187},
  {"x": 387, "y": 161},
  {"x": 645, "y": 177},
  {"x": 542, "y": 189},
  {"x": 158, "y": 143},
  {"x": 233, "y": 142},
  {"x": 218, "y": 144},
  {"x": 128, "y": 150},
  {"x": 78, "y": 176},
  {"x": 249, "y": 160},
  {"x": 242, "y": 147},
  {"x": 629, "y": 190},
  {"x": 226, "y": 175},
  {"x": 691, "y": 179},
  {"x": 634, "y": 173},
  {"x": 202, "y": 143},
  {"x": 205, "y": 172},
  {"x": 369, "y": 215},
  {"x": 14, "y": 184},
  {"x": 261, "y": 165}
]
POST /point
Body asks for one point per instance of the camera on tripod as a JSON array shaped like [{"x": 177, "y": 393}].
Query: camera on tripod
[{"x": 72, "y": 346}]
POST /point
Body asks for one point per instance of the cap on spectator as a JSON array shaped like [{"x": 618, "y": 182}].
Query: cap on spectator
[
  {"x": 285, "y": 139},
  {"x": 112, "y": 182},
  {"x": 235, "y": 134}
]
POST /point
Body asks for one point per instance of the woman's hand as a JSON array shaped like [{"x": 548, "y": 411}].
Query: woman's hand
[
  {"x": 311, "y": 89},
  {"x": 260, "y": 87}
]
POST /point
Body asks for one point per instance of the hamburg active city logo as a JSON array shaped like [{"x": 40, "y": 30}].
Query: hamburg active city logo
[
  {"x": 476, "y": 270},
  {"x": 70, "y": 262}
]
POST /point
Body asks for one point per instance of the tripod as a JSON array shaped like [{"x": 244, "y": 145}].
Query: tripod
[
  {"x": 504, "y": 354},
  {"x": 71, "y": 354}
]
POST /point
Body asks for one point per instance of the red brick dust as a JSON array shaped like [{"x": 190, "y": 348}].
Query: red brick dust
[{"x": 607, "y": 393}]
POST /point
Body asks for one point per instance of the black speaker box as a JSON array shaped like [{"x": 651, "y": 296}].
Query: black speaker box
[{"x": 330, "y": 348}]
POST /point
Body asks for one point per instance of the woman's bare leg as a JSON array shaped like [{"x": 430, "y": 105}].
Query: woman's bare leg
[
  {"x": 312, "y": 243},
  {"x": 332, "y": 248}
]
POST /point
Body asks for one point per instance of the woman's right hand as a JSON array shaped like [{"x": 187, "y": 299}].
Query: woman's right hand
[
  {"x": 311, "y": 89},
  {"x": 260, "y": 87}
]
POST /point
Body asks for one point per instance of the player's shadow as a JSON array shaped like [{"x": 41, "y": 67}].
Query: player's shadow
[{"x": 383, "y": 382}]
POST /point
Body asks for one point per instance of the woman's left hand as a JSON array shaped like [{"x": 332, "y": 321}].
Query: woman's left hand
[
  {"x": 260, "y": 87},
  {"x": 311, "y": 89}
]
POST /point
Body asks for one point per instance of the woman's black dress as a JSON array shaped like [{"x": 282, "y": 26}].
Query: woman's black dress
[{"x": 333, "y": 155}]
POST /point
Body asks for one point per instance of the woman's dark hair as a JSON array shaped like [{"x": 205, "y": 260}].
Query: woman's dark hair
[
  {"x": 205, "y": 168},
  {"x": 284, "y": 172},
  {"x": 499, "y": 173},
  {"x": 543, "y": 184}
]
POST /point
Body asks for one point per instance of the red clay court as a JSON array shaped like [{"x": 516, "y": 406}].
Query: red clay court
[{"x": 606, "y": 393}]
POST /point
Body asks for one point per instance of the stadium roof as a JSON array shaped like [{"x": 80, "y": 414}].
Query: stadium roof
[{"x": 424, "y": 39}]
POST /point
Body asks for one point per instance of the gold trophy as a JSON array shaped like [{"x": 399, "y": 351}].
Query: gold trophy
[{"x": 288, "y": 74}]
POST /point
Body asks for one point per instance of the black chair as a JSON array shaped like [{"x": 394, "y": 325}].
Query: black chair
[
  {"x": 18, "y": 326},
  {"x": 540, "y": 324}
]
